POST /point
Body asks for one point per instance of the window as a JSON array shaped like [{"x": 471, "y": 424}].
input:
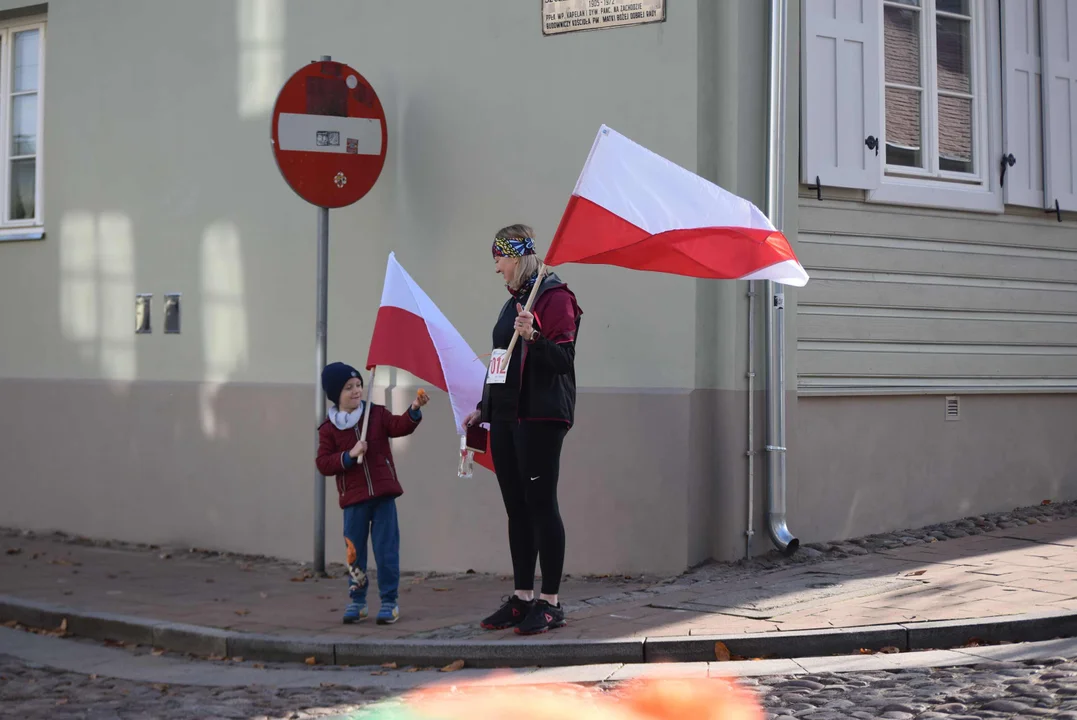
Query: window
[
  {"x": 957, "y": 104},
  {"x": 932, "y": 109},
  {"x": 22, "y": 49}
]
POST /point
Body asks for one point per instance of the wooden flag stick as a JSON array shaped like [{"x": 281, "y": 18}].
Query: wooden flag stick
[
  {"x": 530, "y": 302},
  {"x": 366, "y": 410}
]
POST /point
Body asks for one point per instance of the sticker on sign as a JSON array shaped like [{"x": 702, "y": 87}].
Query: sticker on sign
[{"x": 322, "y": 133}]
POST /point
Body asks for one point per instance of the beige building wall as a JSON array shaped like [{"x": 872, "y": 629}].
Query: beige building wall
[{"x": 159, "y": 178}]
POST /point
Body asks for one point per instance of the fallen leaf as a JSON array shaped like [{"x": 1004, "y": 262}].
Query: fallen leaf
[
  {"x": 216, "y": 658},
  {"x": 721, "y": 652},
  {"x": 63, "y": 625},
  {"x": 93, "y": 677},
  {"x": 915, "y": 574},
  {"x": 411, "y": 669},
  {"x": 302, "y": 577},
  {"x": 157, "y": 652},
  {"x": 241, "y": 613},
  {"x": 10, "y": 624},
  {"x": 14, "y": 551},
  {"x": 437, "y": 589},
  {"x": 889, "y": 650},
  {"x": 864, "y": 651},
  {"x": 259, "y": 666},
  {"x": 974, "y": 642},
  {"x": 453, "y": 666},
  {"x": 389, "y": 666},
  {"x": 1045, "y": 502},
  {"x": 327, "y": 685},
  {"x": 379, "y": 672},
  {"x": 238, "y": 658},
  {"x": 115, "y": 643},
  {"x": 160, "y": 686},
  {"x": 311, "y": 660}
]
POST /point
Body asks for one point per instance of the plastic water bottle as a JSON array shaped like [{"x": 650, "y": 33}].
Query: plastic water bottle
[{"x": 467, "y": 459}]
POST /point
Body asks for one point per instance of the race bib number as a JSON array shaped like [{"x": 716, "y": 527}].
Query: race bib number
[{"x": 499, "y": 368}]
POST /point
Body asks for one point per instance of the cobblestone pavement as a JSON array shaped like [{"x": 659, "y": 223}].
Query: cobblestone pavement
[
  {"x": 999, "y": 564},
  {"x": 1043, "y": 688}
]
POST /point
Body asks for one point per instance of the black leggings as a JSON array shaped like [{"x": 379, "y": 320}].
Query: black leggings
[{"x": 527, "y": 456}]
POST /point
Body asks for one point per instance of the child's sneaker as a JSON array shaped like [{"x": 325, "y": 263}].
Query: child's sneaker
[
  {"x": 388, "y": 614},
  {"x": 542, "y": 618},
  {"x": 354, "y": 613}
]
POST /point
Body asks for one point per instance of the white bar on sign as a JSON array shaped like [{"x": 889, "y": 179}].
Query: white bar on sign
[{"x": 329, "y": 134}]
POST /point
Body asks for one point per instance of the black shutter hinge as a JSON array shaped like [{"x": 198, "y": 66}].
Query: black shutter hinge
[
  {"x": 873, "y": 143},
  {"x": 1007, "y": 161},
  {"x": 1057, "y": 210}
]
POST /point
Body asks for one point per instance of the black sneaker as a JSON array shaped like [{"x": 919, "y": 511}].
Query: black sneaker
[
  {"x": 542, "y": 618},
  {"x": 511, "y": 614}
]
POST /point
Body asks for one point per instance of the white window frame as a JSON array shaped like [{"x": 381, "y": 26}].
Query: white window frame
[
  {"x": 31, "y": 229},
  {"x": 932, "y": 187}
]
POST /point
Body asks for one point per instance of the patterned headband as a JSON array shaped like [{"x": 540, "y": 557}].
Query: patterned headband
[{"x": 513, "y": 247}]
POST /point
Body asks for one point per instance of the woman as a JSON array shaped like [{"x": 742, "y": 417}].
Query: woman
[{"x": 529, "y": 416}]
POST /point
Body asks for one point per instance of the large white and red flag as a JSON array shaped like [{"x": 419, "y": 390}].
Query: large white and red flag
[
  {"x": 412, "y": 334},
  {"x": 635, "y": 209}
]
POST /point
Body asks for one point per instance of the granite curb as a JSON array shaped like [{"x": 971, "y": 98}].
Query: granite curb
[{"x": 208, "y": 641}]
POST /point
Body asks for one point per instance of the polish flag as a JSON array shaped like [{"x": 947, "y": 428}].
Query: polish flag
[
  {"x": 410, "y": 333},
  {"x": 635, "y": 209}
]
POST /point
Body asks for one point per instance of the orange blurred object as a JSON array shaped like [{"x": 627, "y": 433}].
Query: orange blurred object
[{"x": 713, "y": 699}]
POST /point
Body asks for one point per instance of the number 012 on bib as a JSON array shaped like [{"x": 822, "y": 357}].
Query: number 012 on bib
[{"x": 499, "y": 367}]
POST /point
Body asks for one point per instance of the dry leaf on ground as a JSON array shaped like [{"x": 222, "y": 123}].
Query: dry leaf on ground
[
  {"x": 241, "y": 613},
  {"x": 889, "y": 650},
  {"x": 157, "y": 652},
  {"x": 389, "y": 666},
  {"x": 721, "y": 652},
  {"x": 916, "y": 573},
  {"x": 311, "y": 660},
  {"x": 453, "y": 666},
  {"x": 14, "y": 551}
]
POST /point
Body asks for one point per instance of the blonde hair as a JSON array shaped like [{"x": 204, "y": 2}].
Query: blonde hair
[{"x": 527, "y": 265}]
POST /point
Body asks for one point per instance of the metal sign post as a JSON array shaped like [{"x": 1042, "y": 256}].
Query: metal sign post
[{"x": 329, "y": 140}]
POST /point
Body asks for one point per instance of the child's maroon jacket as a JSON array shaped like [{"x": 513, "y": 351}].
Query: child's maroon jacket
[{"x": 376, "y": 476}]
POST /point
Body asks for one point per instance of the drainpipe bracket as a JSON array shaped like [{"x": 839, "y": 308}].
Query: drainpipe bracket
[{"x": 774, "y": 448}]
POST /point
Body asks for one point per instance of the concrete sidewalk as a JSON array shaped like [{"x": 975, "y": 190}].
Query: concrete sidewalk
[{"x": 1007, "y": 572}]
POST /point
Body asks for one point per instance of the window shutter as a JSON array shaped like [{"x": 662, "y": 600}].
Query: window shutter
[
  {"x": 1059, "y": 42},
  {"x": 1022, "y": 106},
  {"x": 840, "y": 83}
]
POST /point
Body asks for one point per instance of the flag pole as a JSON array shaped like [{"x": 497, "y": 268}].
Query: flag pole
[
  {"x": 366, "y": 409},
  {"x": 527, "y": 308}
]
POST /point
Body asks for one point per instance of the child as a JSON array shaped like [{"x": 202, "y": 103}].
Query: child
[{"x": 366, "y": 483}]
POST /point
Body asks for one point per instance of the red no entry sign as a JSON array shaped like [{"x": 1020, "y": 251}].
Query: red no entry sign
[{"x": 329, "y": 134}]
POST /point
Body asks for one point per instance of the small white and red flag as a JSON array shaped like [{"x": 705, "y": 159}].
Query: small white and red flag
[{"x": 412, "y": 334}]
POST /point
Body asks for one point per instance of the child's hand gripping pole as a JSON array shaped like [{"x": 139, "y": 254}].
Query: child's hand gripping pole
[{"x": 366, "y": 413}]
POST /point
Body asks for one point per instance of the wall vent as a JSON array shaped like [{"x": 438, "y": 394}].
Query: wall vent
[{"x": 953, "y": 408}]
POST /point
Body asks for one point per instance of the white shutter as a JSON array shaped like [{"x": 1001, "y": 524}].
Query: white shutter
[
  {"x": 840, "y": 86},
  {"x": 1059, "y": 42},
  {"x": 1022, "y": 106}
]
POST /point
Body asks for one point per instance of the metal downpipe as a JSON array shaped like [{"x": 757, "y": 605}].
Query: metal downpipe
[{"x": 774, "y": 315}]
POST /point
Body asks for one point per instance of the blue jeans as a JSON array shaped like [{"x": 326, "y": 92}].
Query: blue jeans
[{"x": 375, "y": 518}]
